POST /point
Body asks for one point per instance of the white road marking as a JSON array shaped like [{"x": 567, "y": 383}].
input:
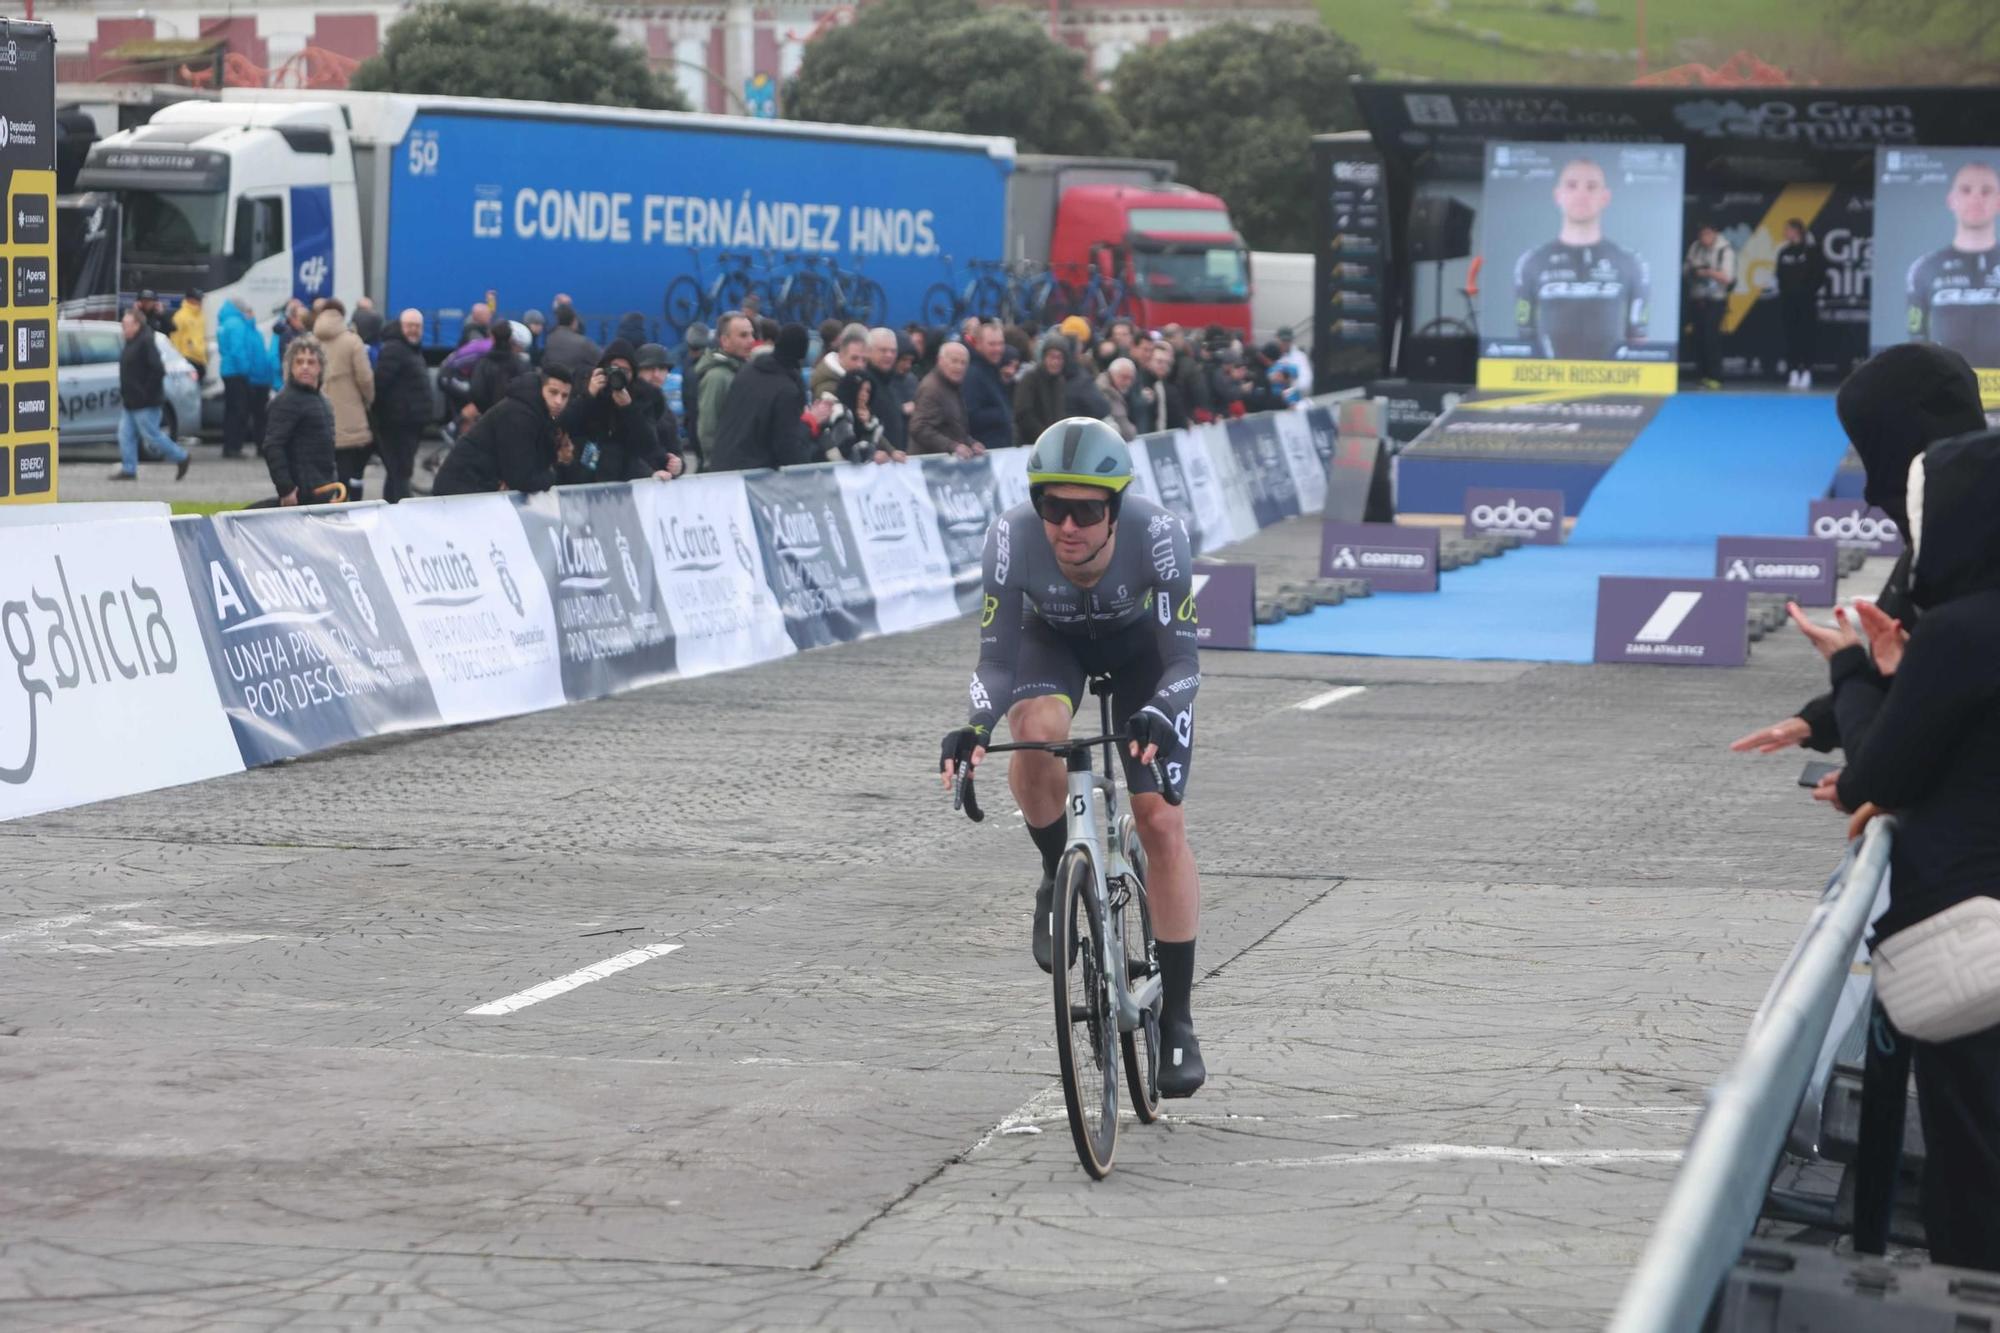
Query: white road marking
[
  {"x": 1580, "y": 1109},
  {"x": 1332, "y": 696},
  {"x": 41, "y": 930},
  {"x": 1455, "y": 1152},
  {"x": 582, "y": 977}
]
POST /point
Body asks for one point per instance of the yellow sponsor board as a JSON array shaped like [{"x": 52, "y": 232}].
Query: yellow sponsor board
[
  {"x": 1989, "y": 389},
  {"x": 28, "y": 336},
  {"x": 1645, "y": 377}
]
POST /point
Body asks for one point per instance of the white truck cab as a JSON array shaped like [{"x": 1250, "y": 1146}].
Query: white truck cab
[{"x": 251, "y": 200}]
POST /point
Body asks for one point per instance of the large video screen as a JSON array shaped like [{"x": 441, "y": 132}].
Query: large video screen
[
  {"x": 1937, "y": 263},
  {"x": 1581, "y": 280}
]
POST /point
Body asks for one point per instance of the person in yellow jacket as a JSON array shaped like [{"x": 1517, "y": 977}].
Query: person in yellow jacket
[{"x": 190, "y": 335}]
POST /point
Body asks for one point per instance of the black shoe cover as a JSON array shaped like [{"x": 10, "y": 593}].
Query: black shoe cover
[
  {"x": 1181, "y": 1069},
  {"x": 1044, "y": 913}
]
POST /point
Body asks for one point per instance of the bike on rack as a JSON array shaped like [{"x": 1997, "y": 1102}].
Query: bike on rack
[
  {"x": 1106, "y": 969},
  {"x": 705, "y": 295}
]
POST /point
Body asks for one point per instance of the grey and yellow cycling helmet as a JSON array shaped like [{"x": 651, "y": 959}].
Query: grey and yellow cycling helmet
[{"x": 1081, "y": 451}]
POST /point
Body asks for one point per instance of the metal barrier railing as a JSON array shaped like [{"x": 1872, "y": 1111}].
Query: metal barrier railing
[{"x": 1720, "y": 1189}]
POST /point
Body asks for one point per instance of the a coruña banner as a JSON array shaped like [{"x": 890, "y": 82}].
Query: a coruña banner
[{"x": 611, "y": 622}]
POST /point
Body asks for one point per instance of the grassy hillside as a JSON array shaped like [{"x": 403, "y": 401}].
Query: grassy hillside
[{"x": 1597, "y": 41}]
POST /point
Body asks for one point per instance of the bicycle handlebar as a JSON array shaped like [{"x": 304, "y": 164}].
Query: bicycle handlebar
[{"x": 964, "y": 797}]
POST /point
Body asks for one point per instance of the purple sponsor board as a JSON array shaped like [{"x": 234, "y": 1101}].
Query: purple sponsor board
[
  {"x": 1389, "y": 558},
  {"x": 1225, "y": 604},
  {"x": 1805, "y": 569},
  {"x": 1534, "y": 515},
  {"x": 1854, "y": 523},
  {"x": 1673, "y": 622}
]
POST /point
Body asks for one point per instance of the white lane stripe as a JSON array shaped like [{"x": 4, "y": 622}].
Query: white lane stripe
[
  {"x": 582, "y": 977},
  {"x": 1456, "y": 1152},
  {"x": 1333, "y": 696}
]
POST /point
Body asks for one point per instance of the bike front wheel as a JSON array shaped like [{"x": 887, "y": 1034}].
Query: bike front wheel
[
  {"x": 1086, "y": 1016},
  {"x": 1142, "y": 1047},
  {"x": 684, "y": 304},
  {"x": 940, "y": 306}
]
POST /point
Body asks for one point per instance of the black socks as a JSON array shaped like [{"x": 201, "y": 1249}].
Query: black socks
[
  {"x": 1176, "y": 981},
  {"x": 1050, "y": 840}
]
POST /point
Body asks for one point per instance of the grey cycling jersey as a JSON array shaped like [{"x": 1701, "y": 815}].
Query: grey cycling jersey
[{"x": 1150, "y": 577}]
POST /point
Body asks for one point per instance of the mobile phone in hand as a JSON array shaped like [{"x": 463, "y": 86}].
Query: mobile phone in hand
[{"x": 1810, "y": 775}]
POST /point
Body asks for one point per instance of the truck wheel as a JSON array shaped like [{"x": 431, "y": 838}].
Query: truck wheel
[
  {"x": 940, "y": 307},
  {"x": 683, "y": 305}
]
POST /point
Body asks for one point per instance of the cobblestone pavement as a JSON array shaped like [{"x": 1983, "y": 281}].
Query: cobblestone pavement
[{"x": 1476, "y": 938}]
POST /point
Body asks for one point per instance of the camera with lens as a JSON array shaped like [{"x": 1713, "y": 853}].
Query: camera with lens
[{"x": 616, "y": 378}]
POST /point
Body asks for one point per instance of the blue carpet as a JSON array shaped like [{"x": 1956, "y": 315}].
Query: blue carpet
[{"x": 1706, "y": 467}]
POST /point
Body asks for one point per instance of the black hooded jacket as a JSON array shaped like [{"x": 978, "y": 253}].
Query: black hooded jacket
[
  {"x": 513, "y": 445},
  {"x": 761, "y": 422},
  {"x": 402, "y": 386},
  {"x": 1039, "y": 397},
  {"x": 613, "y": 443},
  {"x": 298, "y": 441},
  {"x": 1893, "y": 407},
  {"x": 1932, "y": 753}
]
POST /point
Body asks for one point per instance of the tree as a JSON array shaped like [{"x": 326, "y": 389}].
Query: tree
[
  {"x": 460, "y": 48},
  {"x": 947, "y": 65},
  {"x": 1236, "y": 107}
]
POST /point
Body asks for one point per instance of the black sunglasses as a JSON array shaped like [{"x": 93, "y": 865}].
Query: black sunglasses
[{"x": 1055, "y": 508}]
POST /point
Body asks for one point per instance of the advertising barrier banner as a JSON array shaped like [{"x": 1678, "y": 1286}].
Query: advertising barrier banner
[
  {"x": 811, "y": 556},
  {"x": 611, "y": 618},
  {"x": 462, "y": 576},
  {"x": 1225, "y": 600},
  {"x": 1534, "y": 515},
  {"x": 1805, "y": 569},
  {"x": 1389, "y": 558},
  {"x": 712, "y": 575},
  {"x": 304, "y": 637},
  {"x": 1854, "y": 523},
  {"x": 29, "y": 134},
  {"x": 1673, "y": 622},
  {"x": 889, "y": 509},
  {"x": 277, "y": 633},
  {"x": 106, "y": 688},
  {"x": 1308, "y": 468}
]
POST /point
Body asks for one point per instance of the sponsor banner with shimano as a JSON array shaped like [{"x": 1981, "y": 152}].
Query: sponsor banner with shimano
[
  {"x": 1260, "y": 458},
  {"x": 1225, "y": 598},
  {"x": 1388, "y": 558},
  {"x": 463, "y": 576},
  {"x": 902, "y": 556},
  {"x": 811, "y": 556},
  {"x": 718, "y": 596},
  {"x": 611, "y": 622},
  {"x": 304, "y": 636},
  {"x": 1675, "y": 622},
  {"x": 1805, "y": 569},
  {"x": 106, "y": 688},
  {"x": 967, "y": 501},
  {"x": 1854, "y": 523},
  {"x": 1534, "y": 515},
  {"x": 1308, "y": 468}
]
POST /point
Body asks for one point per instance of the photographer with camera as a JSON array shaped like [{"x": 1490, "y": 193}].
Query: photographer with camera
[{"x": 610, "y": 426}]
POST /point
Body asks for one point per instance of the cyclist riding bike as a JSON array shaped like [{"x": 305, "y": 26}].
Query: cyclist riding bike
[{"x": 1085, "y": 581}]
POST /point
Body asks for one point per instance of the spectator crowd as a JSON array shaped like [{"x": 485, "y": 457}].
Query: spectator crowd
[{"x": 530, "y": 402}]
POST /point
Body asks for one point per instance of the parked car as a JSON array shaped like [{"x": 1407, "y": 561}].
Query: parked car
[{"x": 87, "y": 401}]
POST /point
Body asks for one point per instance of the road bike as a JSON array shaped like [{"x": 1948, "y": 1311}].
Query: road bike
[
  {"x": 1107, "y": 985},
  {"x": 981, "y": 291},
  {"x": 1099, "y": 300},
  {"x": 704, "y": 295}
]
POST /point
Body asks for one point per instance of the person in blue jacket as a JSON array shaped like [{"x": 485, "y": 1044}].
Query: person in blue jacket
[{"x": 243, "y": 356}]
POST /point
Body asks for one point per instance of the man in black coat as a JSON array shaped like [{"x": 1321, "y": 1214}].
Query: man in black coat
[
  {"x": 763, "y": 418},
  {"x": 142, "y": 390},
  {"x": 298, "y": 432},
  {"x": 608, "y": 422},
  {"x": 886, "y": 390},
  {"x": 516, "y": 446},
  {"x": 654, "y": 362},
  {"x": 402, "y": 401}
]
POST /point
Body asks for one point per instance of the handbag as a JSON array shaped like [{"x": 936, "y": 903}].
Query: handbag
[{"x": 1940, "y": 978}]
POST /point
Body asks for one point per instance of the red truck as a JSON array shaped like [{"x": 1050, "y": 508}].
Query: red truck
[{"x": 1170, "y": 251}]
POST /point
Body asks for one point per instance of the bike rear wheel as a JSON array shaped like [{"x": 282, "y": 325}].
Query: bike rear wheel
[
  {"x": 1142, "y": 1047},
  {"x": 940, "y": 306},
  {"x": 1086, "y": 1021},
  {"x": 684, "y": 304}
]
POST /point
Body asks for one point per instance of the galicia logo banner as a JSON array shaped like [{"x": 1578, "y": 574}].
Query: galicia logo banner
[{"x": 106, "y": 688}]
